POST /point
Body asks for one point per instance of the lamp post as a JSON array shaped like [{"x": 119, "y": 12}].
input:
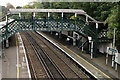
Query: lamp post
[
  {"x": 62, "y": 22},
  {"x": 48, "y": 20},
  {"x": 34, "y": 21},
  {"x": 7, "y": 42},
  {"x": 75, "y": 21},
  {"x": 113, "y": 57},
  {"x": 91, "y": 42},
  {"x": 114, "y": 40}
]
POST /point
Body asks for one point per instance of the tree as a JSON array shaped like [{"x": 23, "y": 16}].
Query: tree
[
  {"x": 18, "y": 7},
  {"x": 9, "y": 6},
  {"x": 103, "y": 11},
  {"x": 113, "y": 21}
]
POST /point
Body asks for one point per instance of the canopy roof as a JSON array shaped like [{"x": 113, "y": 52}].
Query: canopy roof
[{"x": 78, "y": 11}]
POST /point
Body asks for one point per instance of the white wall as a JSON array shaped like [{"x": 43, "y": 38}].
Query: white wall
[{"x": 103, "y": 47}]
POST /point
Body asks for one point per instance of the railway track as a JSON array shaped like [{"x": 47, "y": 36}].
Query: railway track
[
  {"x": 36, "y": 67},
  {"x": 49, "y": 65},
  {"x": 56, "y": 55},
  {"x": 52, "y": 62}
]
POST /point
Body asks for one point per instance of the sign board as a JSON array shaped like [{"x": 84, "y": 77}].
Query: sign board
[
  {"x": 117, "y": 58},
  {"x": 115, "y": 53},
  {"x": 111, "y": 51}
]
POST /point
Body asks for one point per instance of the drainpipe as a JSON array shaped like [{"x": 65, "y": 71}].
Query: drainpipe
[
  {"x": 7, "y": 42},
  {"x": 96, "y": 40}
]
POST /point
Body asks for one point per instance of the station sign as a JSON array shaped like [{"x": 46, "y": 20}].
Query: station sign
[
  {"x": 114, "y": 52},
  {"x": 117, "y": 58},
  {"x": 111, "y": 51}
]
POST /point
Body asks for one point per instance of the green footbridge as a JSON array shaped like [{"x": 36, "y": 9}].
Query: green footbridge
[{"x": 79, "y": 26}]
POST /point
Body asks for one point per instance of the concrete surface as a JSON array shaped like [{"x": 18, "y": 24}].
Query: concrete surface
[{"x": 9, "y": 62}]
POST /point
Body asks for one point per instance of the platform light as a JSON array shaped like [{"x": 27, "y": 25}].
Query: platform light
[
  {"x": 34, "y": 15},
  {"x": 56, "y": 34},
  {"x": 68, "y": 39},
  {"x": 97, "y": 25},
  {"x": 19, "y": 14},
  {"x": 90, "y": 39},
  {"x": 62, "y": 14},
  {"x": 48, "y": 14},
  {"x": 75, "y": 14}
]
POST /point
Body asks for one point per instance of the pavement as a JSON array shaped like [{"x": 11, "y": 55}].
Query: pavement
[
  {"x": 13, "y": 61},
  {"x": 9, "y": 61}
]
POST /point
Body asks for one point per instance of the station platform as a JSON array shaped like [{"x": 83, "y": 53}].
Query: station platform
[
  {"x": 96, "y": 66},
  {"x": 14, "y": 65}
]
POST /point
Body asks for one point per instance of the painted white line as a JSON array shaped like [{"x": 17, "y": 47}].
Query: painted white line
[{"x": 25, "y": 57}]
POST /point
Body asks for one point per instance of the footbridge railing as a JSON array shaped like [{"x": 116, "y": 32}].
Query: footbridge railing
[
  {"x": 18, "y": 25},
  {"x": 44, "y": 25}
]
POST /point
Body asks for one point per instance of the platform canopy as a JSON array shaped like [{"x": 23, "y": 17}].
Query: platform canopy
[{"x": 78, "y": 11}]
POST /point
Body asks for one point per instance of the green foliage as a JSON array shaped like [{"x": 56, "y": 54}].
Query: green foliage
[
  {"x": 113, "y": 21},
  {"x": 99, "y": 11},
  {"x": 18, "y": 7},
  {"x": 104, "y": 11}
]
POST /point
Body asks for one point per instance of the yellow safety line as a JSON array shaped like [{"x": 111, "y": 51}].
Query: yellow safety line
[
  {"x": 82, "y": 59},
  {"x": 17, "y": 59}
]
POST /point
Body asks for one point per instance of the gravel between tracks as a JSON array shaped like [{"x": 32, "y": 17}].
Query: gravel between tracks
[
  {"x": 40, "y": 72},
  {"x": 67, "y": 67}
]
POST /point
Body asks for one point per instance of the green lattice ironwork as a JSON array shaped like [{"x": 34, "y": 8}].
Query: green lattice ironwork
[
  {"x": 79, "y": 26},
  {"x": 19, "y": 25}
]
